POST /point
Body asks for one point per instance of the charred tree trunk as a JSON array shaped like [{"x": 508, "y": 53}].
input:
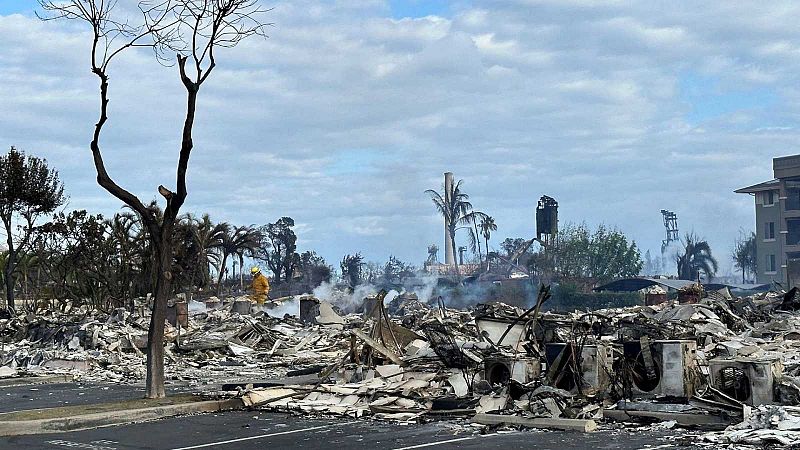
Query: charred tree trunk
[
  {"x": 8, "y": 279},
  {"x": 155, "y": 336},
  {"x": 8, "y": 270}
]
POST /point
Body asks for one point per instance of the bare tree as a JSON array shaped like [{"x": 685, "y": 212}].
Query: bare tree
[{"x": 193, "y": 29}]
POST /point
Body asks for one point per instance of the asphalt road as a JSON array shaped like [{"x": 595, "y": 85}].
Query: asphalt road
[
  {"x": 253, "y": 430},
  {"x": 258, "y": 430},
  {"x": 65, "y": 394}
]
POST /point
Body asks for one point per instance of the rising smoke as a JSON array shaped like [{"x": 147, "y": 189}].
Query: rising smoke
[
  {"x": 428, "y": 288},
  {"x": 352, "y": 300}
]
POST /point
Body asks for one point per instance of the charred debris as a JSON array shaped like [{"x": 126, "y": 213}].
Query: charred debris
[{"x": 722, "y": 364}]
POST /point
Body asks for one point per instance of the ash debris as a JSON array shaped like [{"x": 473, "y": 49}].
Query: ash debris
[{"x": 728, "y": 366}]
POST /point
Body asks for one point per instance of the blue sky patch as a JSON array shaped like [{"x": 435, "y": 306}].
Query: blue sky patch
[
  {"x": 17, "y": 6},
  {"x": 355, "y": 161},
  {"x": 709, "y": 100},
  {"x": 418, "y": 8}
]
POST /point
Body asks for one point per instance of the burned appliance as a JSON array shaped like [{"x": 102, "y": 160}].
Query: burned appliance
[
  {"x": 499, "y": 370},
  {"x": 748, "y": 381},
  {"x": 586, "y": 370},
  {"x": 659, "y": 368},
  {"x": 502, "y": 332}
]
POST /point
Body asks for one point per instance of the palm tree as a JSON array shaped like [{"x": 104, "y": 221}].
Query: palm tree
[
  {"x": 238, "y": 241},
  {"x": 744, "y": 254},
  {"x": 132, "y": 247},
  {"x": 474, "y": 242},
  {"x": 455, "y": 207},
  {"x": 487, "y": 226},
  {"x": 474, "y": 218},
  {"x": 208, "y": 237},
  {"x": 696, "y": 257}
]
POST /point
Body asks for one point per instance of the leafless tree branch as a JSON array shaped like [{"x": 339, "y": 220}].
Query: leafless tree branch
[{"x": 190, "y": 28}]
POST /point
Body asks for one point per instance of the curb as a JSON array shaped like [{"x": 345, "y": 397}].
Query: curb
[
  {"x": 95, "y": 420},
  {"x": 25, "y": 381}
]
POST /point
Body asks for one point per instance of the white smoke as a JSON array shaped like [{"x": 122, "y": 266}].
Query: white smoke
[
  {"x": 391, "y": 295},
  {"x": 340, "y": 297},
  {"x": 196, "y": 307},
  {"x": 422, "y": 285},
  {"x": 289, "y": 306},
  {"x": 425, "y": 291}
]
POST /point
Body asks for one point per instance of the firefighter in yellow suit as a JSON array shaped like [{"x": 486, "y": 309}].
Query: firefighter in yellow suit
[{"x": 260, "y": 286}]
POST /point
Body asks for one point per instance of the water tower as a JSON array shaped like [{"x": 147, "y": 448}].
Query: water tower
[{"x": 546, "y": 220}]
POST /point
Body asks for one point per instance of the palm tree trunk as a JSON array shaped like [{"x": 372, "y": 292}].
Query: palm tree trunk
[
  {"x": 241, "y": 274},
  {"x": 477, "y": 241},
  {"x": 221, "y": 273},
  {"x": 486, "y": 239},
  {"x": 455, "y": 253}
]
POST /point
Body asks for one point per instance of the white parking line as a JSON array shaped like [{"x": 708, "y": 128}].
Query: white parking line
[
  {"x": 431, "y": 444},
  {"x": 261, "y": 436}
]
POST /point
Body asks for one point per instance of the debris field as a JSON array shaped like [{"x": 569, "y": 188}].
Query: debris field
[{"x": 724, "y": 365}]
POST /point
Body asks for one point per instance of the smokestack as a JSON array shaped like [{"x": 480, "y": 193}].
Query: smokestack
[{"x": 449, "y": 257}]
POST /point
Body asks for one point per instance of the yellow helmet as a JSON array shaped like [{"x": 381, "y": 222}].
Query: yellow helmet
[{"x": 255, "y": 270}]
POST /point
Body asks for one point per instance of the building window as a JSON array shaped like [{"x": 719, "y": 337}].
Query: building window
[
  {"x": 792, "y": 231},
  {"x": 769, "y": 231},
  {"x": 792, "y": 196},
  {"x": 769, "y": 198},
  {"x": 770, "y": 266}
]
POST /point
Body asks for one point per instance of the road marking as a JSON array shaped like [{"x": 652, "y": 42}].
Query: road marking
[
  {"x": 261, "y": 436},
  {"x": 431, "y": 444}
]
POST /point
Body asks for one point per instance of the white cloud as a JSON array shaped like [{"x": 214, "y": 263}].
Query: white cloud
[{"x": 578, "y": 100}]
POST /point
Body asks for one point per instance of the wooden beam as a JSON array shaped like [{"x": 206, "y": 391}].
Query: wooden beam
[{"x": 380, "y": 348}]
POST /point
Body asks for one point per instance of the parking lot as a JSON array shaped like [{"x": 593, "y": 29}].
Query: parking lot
[{"x": 254, "y": 430}]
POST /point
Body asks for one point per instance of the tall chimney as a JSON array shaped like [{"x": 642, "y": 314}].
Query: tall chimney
[{"x": 449, "y": 257}]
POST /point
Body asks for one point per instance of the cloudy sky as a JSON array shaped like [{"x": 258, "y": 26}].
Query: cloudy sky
[{"x": 352, "y": 108}]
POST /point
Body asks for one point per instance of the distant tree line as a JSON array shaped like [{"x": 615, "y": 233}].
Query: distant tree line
[
  {"x": 393, "y": 273},
  {"x": 107, "y": 262}
]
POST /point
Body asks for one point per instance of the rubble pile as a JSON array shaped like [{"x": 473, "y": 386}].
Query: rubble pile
[
  {"x": 700, "y": 364},
  {"x": 214, "y": 344},
  {"x": 710, "y": 362},
  {"x": 766, "y": 425}
]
